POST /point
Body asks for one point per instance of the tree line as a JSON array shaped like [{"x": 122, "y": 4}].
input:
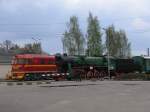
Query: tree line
[
  {"x": 7, "y": 47},
  {"x": 91, "y": 44}
]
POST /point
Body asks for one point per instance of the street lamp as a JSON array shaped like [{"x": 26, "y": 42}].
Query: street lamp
[{"x": 108, "y": 56}]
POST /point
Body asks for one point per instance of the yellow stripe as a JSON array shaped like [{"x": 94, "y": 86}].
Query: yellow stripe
[
  {"x": 35, "y": 72},
  {"x": 40, "y": 66}
]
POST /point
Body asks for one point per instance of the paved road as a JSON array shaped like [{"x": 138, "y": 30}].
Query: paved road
[{"x": 100, "y": 96}]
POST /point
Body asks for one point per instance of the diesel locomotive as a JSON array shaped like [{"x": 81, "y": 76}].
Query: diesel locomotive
[{"x": 33, "y": 67}]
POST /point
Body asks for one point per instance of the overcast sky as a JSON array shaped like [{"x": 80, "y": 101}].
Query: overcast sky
[{"x": 22, "y": 20}]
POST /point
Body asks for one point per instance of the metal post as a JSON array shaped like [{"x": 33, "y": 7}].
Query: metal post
[{"x": 108, "y": 61}]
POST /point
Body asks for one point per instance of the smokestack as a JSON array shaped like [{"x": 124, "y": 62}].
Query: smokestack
[{"x": 148, "y": 52}]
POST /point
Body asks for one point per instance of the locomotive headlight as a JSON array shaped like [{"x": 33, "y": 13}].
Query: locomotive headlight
[{"x": 16, "y": 67}]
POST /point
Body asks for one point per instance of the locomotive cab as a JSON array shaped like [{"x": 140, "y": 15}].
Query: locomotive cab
[{"x": 143, "y": 63}]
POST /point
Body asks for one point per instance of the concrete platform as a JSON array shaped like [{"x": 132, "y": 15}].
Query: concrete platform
[{"x": 99, "y": 96}]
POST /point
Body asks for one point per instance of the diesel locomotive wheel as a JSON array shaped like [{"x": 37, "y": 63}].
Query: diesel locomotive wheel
[
  {"x": 36, "y": 76},
  {"x": 27, "y": 77}
]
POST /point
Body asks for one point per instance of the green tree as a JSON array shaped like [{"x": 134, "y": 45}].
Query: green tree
[
  {"x": 111, "y": 40},
  {"x": 7, "y": 45},
  {"x": 73, "y": 40},
  {"x": 94, "y": 35},
  {"x": 37, "y": 48},
  {"x": 117, "y": 43},
  {"x": 125, "y": 46},
  {"x": 9, "y": 48},
  {"x": 68, "y": 44},
  {"x": 34, "y": 48}
]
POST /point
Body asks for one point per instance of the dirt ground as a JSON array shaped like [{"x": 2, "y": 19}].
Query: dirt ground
[{"x": 4, "y": 70}]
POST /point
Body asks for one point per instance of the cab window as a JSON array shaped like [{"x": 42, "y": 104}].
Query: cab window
[
  {"x": 28, "y": 61},
  {"x": 51, "y": 62},
  {"x": 14, "y": 61},
  {"x": 42, "y": 61},
  {"x": 21, "y": 61},
  {"x": 147, "y": 62},
  {"x": 36, "y": 61}
]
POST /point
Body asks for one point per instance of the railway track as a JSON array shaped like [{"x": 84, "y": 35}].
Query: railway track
[
  {"x": 49, "y": 83},
  {"x": 12, "y": 83}
]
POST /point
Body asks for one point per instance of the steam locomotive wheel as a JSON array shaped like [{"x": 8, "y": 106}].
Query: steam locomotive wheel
[
  {"x": 102, "y": 75},
  {"x": 89, "y": 75},
  {"x": 96, "y": 74},
  {"x": 83, "y": 75}
]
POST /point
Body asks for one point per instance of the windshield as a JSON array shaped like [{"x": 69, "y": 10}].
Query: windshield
[
  {"x": 21, "y": 61},
  {"x": 148, "y": 63}
]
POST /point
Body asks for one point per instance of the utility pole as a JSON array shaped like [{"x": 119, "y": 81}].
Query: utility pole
[
  {"x": 108, "y": 55},
  {"x": 37, "y": 40},
  {"x": 148, "y": 52}
]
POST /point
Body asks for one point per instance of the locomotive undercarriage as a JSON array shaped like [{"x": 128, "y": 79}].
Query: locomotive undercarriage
[
  {"x": 39, "y": 76},
  {"x": 89, "y": 73}
]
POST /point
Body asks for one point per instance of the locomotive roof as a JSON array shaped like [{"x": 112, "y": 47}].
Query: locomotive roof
[
  {"x": 34, "y": 56},
  {"x": 146, "y": 57}
]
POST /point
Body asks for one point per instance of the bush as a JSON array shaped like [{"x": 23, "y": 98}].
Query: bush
[{"x": 134, "y": 76}]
